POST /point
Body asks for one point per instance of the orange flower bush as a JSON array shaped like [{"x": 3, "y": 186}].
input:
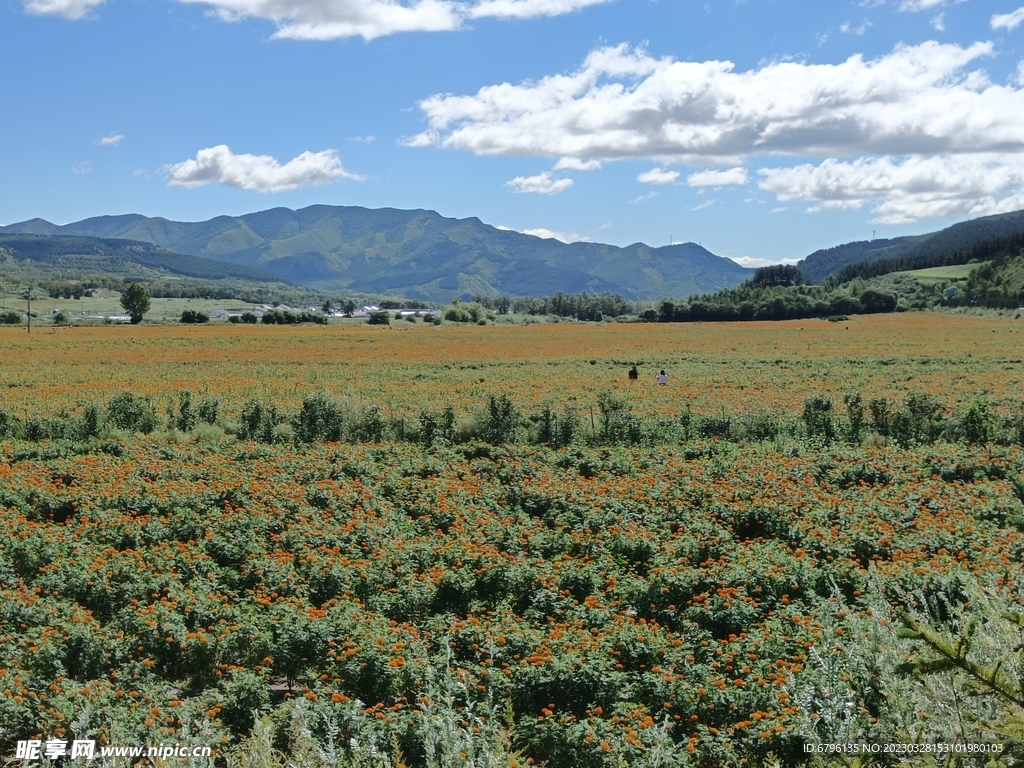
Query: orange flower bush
[{"x": 681, "y": 599}]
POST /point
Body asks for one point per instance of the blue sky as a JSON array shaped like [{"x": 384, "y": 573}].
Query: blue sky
[{"x": 763, "y": 129}]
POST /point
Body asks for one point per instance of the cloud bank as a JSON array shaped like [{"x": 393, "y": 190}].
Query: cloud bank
[
  {"x": 552, "y": 234},
  {"x": 911, "y": 116},
  {"x": 69, "y": 9},
  {"x": 369, "y": 19},
  {"x": 262, "y": 173}
]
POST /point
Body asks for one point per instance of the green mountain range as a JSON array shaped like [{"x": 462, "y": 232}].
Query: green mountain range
[
  {"x": 417, "y": 254},
  {"x": 129, "y": 258},
  {"x": 933, "y": 246}
]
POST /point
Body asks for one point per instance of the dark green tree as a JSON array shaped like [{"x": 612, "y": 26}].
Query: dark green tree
[{"x": 135, "y": 301}]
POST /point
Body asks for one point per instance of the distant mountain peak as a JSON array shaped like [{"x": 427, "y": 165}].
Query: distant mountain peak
[{"x": 417, "y": 253}]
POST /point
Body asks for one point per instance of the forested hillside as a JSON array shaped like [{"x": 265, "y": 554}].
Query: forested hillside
[
  {"x": 949, "y": 246},
  {"x": 419, "y": 254}
]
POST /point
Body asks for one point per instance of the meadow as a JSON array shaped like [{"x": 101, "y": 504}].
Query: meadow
[{"x": 484, "y": 546}]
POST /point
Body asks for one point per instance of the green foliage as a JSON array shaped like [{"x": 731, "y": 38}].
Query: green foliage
[
  {"x": 11, "y": 317},
  {"x": 582, "y": 306},
  {"x": 880, "y": 415},
  {"x": 135, "y": 301},
  {"x": 379, "y": 317},
  {"x": 61, "y": 318},
  {"x": 459, "y": 312},
  {"x": 437, "y": 428},
  {"x": 208, "y": 410},
  {"x": 192, "y": 316},
  {"x": 854, "y": 417},
  {"x": 249, "y": 318},
  {"x": 817, "y": 417},
  {"x": 920, "y": 422},
  {"x": 500, "y": 423},
  {"x": 274, "y": 317},
  {"x": 618, "y": 423},
  {"x": 976, "y": 424},
  {"x": 132, "y": 413},
  {"x": 777, "y": 275},
  {"x": 187, "y": 418},
  {"x": 258, "y": 422},
  {"x": 557, "y": 430},
  {"x": 318, "y": 420}
]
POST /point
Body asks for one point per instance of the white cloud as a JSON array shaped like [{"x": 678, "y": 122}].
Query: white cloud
[
  {"x": 705, "y": 204},
  {"x": 541, "y": 184},
  {"x": 916, "y": 108},
  {"x": 526, "y": 9},
  {"x": 643, "y": 198},
  {"x": 754, "y": 262},
  {"x": 939, "y": 22},
  {"x": 780, "y": 209},
  {"x": 263, "y": 173},
  {"x": 623, "y": 103},
  {"x": 902, "y": 191},
  {"x": 575, "y": 164},
  {"x": 1008, "y": 21},
  {"x": 80, "y": 169},
  {"x": 110, "y": 141},
  {"x": 920, "y": 5},
  {"x": 364, "y": 139},
  {"x": 69, "y": 9},
  {"x": 334, "y": 19},
  {"x": 717, "y": 178},
  {"x": 658, "y": 176},
  {"x": 848, "y": 29},
  {"x": 551, "y": 234}
]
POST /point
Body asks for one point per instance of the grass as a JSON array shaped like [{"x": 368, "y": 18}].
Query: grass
[
  {"x": 91, "y": 310},
  {"x": 938, "y": 274}
]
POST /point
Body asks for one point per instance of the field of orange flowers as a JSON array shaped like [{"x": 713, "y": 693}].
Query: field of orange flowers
[
  {"x": 692, "y": 602},
  {"x": 714, "y": 366}
]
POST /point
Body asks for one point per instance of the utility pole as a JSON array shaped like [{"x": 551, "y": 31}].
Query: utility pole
[{"x": 28, "y": 315}]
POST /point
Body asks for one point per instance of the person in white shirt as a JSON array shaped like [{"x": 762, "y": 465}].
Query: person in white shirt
[{"x": 662, "y": 377}]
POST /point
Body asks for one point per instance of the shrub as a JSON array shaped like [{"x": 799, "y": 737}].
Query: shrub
[
  {"x": 854, "y": 417},
  {"x": 369, "y": 425},
  {"x": 90, "y": 422},
  {"x": 61, "y": 318},
  {"x": 879, "y": 408},
  {"x": 976, "y": 425},
  {"x": 249, "y": 318},
  {"x": 10, "y": 317},
  {"x": 208, "y": 409},
  {"x": 618, "y": 423},
  {"x": 458, "y": 312},
  {"x": 817, "y": 418},
  {"x": 381, "y": 317},
  {"x": 258, "y": 422},
  {"x": 192, "y": 316},
  {"x": 317, "y": 420},
  {"x": 921, "y": 422},
  {"x": 8, "y": 423},
  {"x": 187, "y": 417},
  {"x": 501, "y": 421},
  {"x": 128, "y": 412},
  {"x": 437, "y": 428}
]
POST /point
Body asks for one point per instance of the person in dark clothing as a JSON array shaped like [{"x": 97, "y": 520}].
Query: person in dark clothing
[{"x": 634, "y": 374}]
